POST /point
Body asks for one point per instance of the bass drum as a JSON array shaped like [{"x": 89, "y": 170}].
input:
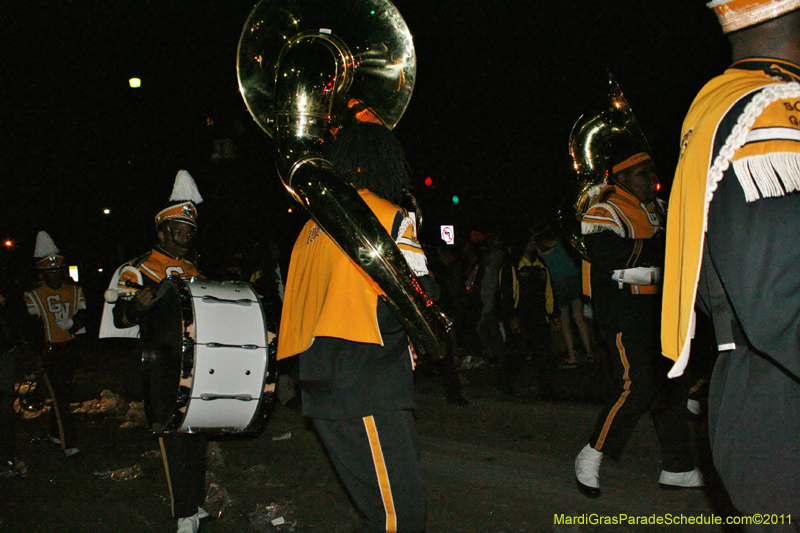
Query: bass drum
[{"x": 207, "y": 357}]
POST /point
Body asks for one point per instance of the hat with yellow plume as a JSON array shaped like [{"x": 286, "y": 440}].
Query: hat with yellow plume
[
  {"x": 735, "y": 15},
  {"x": 186, "y": 196}
]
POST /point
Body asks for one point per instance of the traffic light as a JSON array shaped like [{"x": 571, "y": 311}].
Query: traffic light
[
  {"x": 455, "y": 200},
  {"x": 428, "y": 182}
]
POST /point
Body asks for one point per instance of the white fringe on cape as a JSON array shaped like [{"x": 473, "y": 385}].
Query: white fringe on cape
[
  {"x": 769, "y": 175},
  {"x": 417, "y": 261},
  {"x": 738, "y": 137}
]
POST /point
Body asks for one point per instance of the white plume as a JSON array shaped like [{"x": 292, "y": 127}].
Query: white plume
[
  {"x": 185, "y": 189},
  {"x": 44, "y": 245}
]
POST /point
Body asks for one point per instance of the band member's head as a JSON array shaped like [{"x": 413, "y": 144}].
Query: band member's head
[
  {"x": 176, "y": 237},
  {"x": 761, "y": 28},
  {"x": 637, "y": 175},
  {"x": 369, "y": 156},
  {"x": 52, "y": 266},
  {"x": 176, "y": 225},
  {"x": 735, "y": 15}
]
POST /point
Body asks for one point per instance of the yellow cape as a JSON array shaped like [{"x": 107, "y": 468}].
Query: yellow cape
[{"x": 696, "y": 178}]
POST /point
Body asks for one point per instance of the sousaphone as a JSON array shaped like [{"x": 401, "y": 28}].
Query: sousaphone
[
  {"x": 308, "y": 68},
  {"x": 591, "y": 138}
]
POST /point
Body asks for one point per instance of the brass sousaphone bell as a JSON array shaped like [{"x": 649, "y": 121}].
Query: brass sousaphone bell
[
  {"x": 306, "y": 68},
  {"x": 590, "y": 141}
]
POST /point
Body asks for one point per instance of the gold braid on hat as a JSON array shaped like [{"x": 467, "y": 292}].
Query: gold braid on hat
[{"x": 734, "y": 15}]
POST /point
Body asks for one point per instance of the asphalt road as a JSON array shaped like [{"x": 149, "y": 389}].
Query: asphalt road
[{"x": 499, "y": 465}]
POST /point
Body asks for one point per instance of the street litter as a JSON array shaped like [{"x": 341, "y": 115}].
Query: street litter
[
  {"x": 108, "y": 403},
  {"x": 122, "y": 474},
  {"x": 274, "y": 516},
  {"x": 217, "y": 497}
]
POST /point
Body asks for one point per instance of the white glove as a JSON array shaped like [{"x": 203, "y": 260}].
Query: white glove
[
  {"x": 638, "y": 276},
  {"x": 64, "y": 323}
]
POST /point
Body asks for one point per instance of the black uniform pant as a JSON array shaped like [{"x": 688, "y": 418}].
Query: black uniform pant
[
  {"x": 377, "y": 459},
  {"x": 446, "y": 368},
  {"x": 639, "y": 374},
  {"x": 8, "y": 417},
  {"x": 184, "y": 458},
  {"x": 754, "y": 430},
  {"x": 533, "y": 341},
  {"x": 60, "y": 361}
]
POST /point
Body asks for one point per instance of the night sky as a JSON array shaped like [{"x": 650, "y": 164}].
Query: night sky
[{"x": 499, "y": 86}]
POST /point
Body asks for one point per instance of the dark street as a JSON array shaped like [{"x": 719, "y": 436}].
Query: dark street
[{"x": 499, "y": 465}]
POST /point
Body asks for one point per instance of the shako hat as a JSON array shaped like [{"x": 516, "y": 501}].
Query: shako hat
[
  {"x": 47, "y": 254},
  {"x": 734, "y": 15},
  {"x": 186, "y": 198}
]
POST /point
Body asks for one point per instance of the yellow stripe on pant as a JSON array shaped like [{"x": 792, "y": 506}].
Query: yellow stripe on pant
[
  {"x": 622, "y": 397},
  {"x": 166, "y": 468},
  {"x": 382, "y": 473}
]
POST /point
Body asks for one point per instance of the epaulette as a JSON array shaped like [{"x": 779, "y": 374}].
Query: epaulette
[
  {"x": 136, "y": 263},
  {"x": 606, "y": 194}
]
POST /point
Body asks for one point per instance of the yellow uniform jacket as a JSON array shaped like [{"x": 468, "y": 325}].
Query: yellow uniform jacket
[
  {"x": 328, "y": 295},
  {"x": 510, "y": 289},
  {"x": 156, "y": 265},
  {"x": 148, "y": 269},
  {"x": 52, "y": 305},
  {"x": 612, "y": 208}
]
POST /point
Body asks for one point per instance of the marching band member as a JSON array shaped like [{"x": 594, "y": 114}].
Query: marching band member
[
  {"x": 733, "y": 246},
  {"x": 622, "y": 228},
  {"x": 136, "y": 312},
  {"x": 526, "y": 303},
  {"x": 355, "y": 364},
  {"x": 60, "y": 305}
]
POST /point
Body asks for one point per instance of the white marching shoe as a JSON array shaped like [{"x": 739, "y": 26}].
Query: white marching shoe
[
  {"x": 71, "y": 451},
  {"x": 693, "y": 479},
  {"x": 587, "y": 471},
  {"x": 694, "y": 407},
  {"x": 191, "y": 524}
]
